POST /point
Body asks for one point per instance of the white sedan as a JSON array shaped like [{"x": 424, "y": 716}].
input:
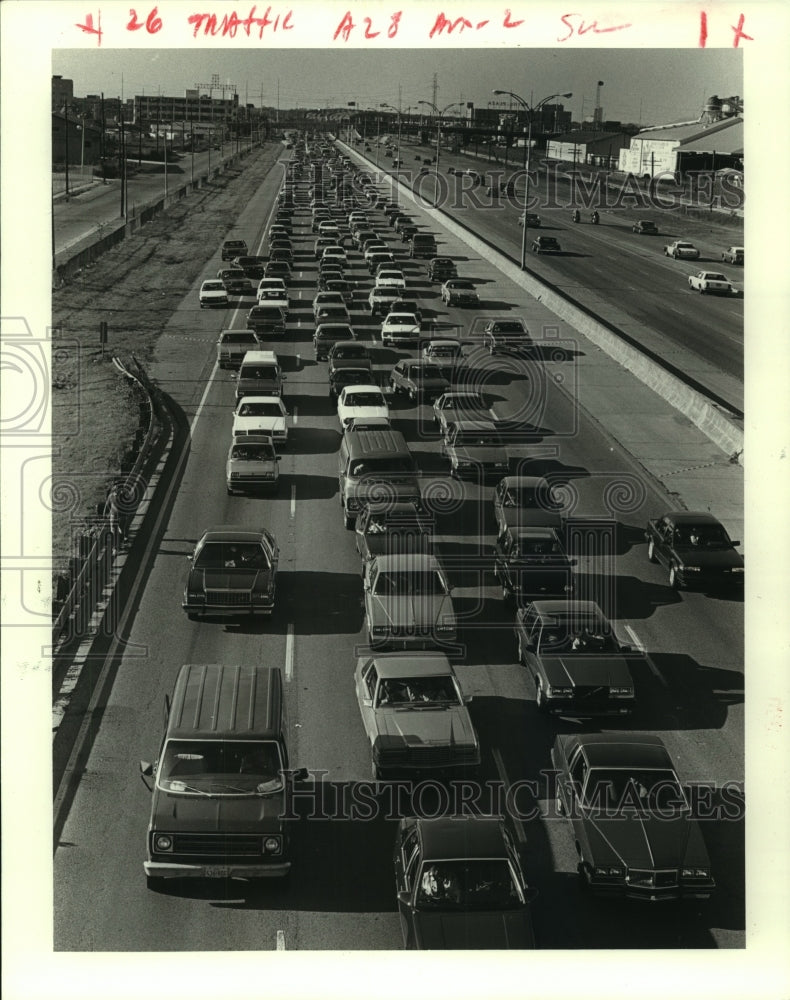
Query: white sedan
[
  {"x": 399, "y": 326},
  {"x": 681, "y": 250},
  {"x": 390, "y": 278},
  {"x": 361, "y": 402},
  {"x": 334, "y": 253},
  {"x": 272, "y": 291},
  {"x": 213, "y": 293},
  {"x": 710, "y": 282},
  {"x": 261, "y": 415}
]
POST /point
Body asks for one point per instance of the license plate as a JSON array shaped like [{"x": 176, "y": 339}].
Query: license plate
[{"x": 217, "y": 871}]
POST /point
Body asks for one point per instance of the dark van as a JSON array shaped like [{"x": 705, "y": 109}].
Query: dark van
[
  {"x": 375, "y": 465},
  {"x": 222, "y": 778}
]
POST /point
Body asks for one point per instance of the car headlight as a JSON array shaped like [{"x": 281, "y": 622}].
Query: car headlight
[
  {"x": 609, "y": 871},
  {"x": 235, "y": 475},
  {"x": 163, "y": 842},
  {"x": 352, "y": 503},
  {"x": 692, "y": 569},
  {"x": 560, "y": 692},
  {"x": 195, "y": 595},
  {"x": 272, "y": 845},
  {"x": 379, "y": 630},
  {"x": 621, "y": 692},
  {"x": 695, "y": 873}
]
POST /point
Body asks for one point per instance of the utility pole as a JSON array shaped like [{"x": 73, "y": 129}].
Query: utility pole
[
  {"x": 122, "y": 162},
  {"x": 66, "y": 116}
]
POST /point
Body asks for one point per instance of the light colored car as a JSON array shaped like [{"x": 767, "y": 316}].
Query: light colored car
[
  {"x": 414, "y": 714},
  {"x": 391, "y": 278},
  {"x": 710, "y": 283},
  {"x": 420, "y": 380},
  {"x": 459, "y": 292},
  {"x": 261, "y": 415},
  {"x": 444, "y": 352},
  {"x": 460, "y": 404},
  {"x": 681, "y": 250},
  {"x": 213, "y": 293},
  {"x": 361, "y": 402},
  {"x": 380, "y": 300},
  {"x": 334, "y": 253},
  {"x": 400, "y": 328},
  {"x": 329, "y": 229},
  {"x": 326, "y": 299},
  {"x": 733, "y": 255},
  {"x": 408, "y": 602},
  {"x": 251, "y": 464},
  {"x": 475, "y": 447},
  {"x": 272, "y": 292}
]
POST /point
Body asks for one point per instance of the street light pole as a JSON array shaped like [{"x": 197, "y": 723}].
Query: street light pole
[
  {"x": 439, "y": 114},
  {"x": 530, "y": 110}
]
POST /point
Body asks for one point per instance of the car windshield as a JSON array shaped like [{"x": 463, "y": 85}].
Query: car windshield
[
  {"x": 614, "y": 790},
  {"x": 417, "y": 691},
  {"x": 252, "y": 453},
  {"x": 428, "y": 371},
  {"x": 715, "y": 277},
  {"x": 475, "y": 884},
  {"x": 221, "y": 767},
  {"x": 240, "y": 338},
  {"x": 536, "y": 547},
  {"x": 465, "y": 285},
  {"x": 577, "y": 636},
  {"x": 401, "y": 319},
  {"x": 232, "y": 555},
  {"x": 259, "y": 410},
  {"x": 528, "y": 497},
  {"x": 509, "y": 328},
  {"x": 261, "y": 372},
  {"x": 334, "y": 333},
  {"x": 364, "y": 398},
  {"x": 396, "y": 582},
  {"x": 702, "y": 536},
  {"x": 383, "y": 467}
]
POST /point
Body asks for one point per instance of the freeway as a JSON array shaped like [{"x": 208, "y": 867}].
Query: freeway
[
  {"x": 341, "y": 890},
  {"x": 622, "y": 276}
]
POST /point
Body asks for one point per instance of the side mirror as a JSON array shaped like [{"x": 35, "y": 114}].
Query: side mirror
[
  {"x": 189, "y": 558},
  {"x": 146, "y": 768},
  {"x": 404, "y": 898},
  {"x": 300, "y": 774}
]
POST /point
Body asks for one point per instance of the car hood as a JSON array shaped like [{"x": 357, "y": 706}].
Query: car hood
[
  {"x": 645, "y": 841},
  {"x": 239, "y": 580},
  {"x": 441, "y": 725},
  {"x": 265, "y": 425},
  {"x": 418, "y": 610},
  {"x": 710, "y": 558},
  {"x": 220, "y": 814},
  {"x": 473, "y": 930},
  {"x": 481, "y": 453},
  {"x": 601, "y": 671}
]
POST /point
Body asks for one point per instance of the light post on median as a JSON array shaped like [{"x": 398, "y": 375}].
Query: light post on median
[
  {"x": 439, "y": 114},
  {"x": 530, "y": 112}
]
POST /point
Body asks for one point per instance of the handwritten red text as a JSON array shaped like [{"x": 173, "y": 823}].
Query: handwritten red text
[
  {"x": 152, "y": 23},
  {"x": 229, "y": 24},
  {"x": 88, "y": 27},
  {"x": 347, "y": 25},
  {"x": 582, "y": 28}
]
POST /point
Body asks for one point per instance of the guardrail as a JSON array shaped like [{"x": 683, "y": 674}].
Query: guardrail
[{"x": 96, "y": 547}]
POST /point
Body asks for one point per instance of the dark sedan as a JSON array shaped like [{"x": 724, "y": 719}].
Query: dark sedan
[
  {"x": 632, "y": 824},
  {"x": 460, "y": 885},
  {"x": 232, "y": 574},
  {"x": 696, "y": 550}
]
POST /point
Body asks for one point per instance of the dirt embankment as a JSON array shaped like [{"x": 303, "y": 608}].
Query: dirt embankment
[{"x": 133, "y": 288}]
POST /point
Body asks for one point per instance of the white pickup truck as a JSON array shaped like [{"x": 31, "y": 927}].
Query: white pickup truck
[{"x": 710, "y": 282}]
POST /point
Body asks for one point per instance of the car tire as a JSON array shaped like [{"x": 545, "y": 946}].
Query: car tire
[
  {"x": 507, "y": 593},
  {"x": 674, "y": 578},
  {"x": 349, "y": 522},
  {"x": 651, "y": 551}
]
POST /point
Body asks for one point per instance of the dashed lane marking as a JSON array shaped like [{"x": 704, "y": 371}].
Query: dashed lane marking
[
  {"x": 289, "y": 654},
  {"x": 281, "y": 941}
]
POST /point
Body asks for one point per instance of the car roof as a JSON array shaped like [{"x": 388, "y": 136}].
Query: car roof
[
  {"x": 397, "y": 509},
  {"x": 475, "y": 425},
  {"x": 359, "y": 388},
  {"x": 562, "y": 609},
  {"x": 524, "y": 482},
  {"x": 692, "y": 517},
  {"x": 623, "y": 750},
  {"x": 423, "y": 664},
  {"x": 453, "y": 837},
  {"x": 218, "y": 701},
  {"x": 228, "y": 533}
]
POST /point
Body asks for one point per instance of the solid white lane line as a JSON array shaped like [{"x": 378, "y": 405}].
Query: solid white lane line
[
  {"x": 500, "y": 770},
  {"x": 293, "y": 502},
  {"x": 289, "y": 654},
  {"x": 296, "y": 408},
  {"x": 280, "y": 940},
  {"x": 640, "y": 646}
]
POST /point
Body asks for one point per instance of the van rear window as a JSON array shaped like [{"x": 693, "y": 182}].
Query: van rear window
[{"x": 263, "y": 372}]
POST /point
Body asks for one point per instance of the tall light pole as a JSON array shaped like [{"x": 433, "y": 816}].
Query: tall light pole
[
  {"x": 439, "y": 114},
  {"x": 397, "y": 112},
  {"x": 530, "y": 110}
]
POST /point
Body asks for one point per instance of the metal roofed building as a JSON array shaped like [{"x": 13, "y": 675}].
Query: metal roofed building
[
  {"x": 587, "y": 147},
  {"x": 677, "y": 149}
]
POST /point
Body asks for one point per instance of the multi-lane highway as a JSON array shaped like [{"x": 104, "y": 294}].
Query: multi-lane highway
[{"x": 341, "y": 891}]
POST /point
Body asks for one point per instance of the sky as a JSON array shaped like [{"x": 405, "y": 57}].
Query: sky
[{"x": 646, "y": 86}]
